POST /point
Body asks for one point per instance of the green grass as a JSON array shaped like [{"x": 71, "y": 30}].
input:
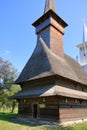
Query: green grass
[{"x": 7, "y": 122}]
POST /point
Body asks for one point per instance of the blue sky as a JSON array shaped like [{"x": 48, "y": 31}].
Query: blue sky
[{"x": 17, "y": 35}]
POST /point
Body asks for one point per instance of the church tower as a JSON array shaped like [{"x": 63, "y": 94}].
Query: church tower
[
  {"x": 83, "y": 49},
  {"x": 51, "y": 28}
]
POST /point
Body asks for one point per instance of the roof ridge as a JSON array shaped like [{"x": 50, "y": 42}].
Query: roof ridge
[
  {"x": 54, "y": 58},
  {"x": 61, "y": 66},
  {"x": 48, "y": 50}
]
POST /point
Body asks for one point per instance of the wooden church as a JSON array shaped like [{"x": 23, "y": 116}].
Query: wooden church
[{"x": 54, "y": 86}]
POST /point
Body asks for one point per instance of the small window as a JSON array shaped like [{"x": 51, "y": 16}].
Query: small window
[
  {"x": 76, "y": 101},
  {"x": 82, "y": 89},
  {"x": 24, "y": 100},
  {"x": 71, "y": 106},
  {"x": 66, "y": 100},
  {"x": 80, "y": 48},
  {"x": 42, "y": 105},
  {"x": 80, "y": 101}
]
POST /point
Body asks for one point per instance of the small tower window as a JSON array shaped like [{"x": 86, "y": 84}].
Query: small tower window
[
  {"x": 85, "y": 54},
  {"x": 80, "y": 48}
]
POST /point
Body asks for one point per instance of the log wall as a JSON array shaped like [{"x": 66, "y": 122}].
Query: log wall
[
  {"x": 74, "y": 113},
  {"x": 73, "y": 109},
  {"x": 47, "y": 107},
  {"x": 54, "y": 108}
]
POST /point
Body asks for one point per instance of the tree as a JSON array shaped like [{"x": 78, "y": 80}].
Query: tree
[
  {"x": 3, "y": 98},
  {"x": 13, "y": 103},
  {"x": 7, "y": 76}
]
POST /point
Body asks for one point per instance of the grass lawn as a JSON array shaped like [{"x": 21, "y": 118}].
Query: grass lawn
[{"x": 7, "y": 123}]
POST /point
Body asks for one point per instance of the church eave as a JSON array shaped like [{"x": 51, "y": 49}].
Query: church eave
[
  {"x": 50, "y": 13},
  {"x": 50, "y": 90},
  {"x": 38, "y": 77}
]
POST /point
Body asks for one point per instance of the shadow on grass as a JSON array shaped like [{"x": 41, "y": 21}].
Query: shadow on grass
[{"x": 9, "y": 117}]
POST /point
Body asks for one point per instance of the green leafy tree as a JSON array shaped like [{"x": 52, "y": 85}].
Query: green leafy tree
[
  {"x": 3, "y": 98},
  {"x": 13, "y": 103},
  {"x": 7, "y": 76}
]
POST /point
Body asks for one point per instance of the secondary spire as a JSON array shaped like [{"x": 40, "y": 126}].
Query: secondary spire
[
  {"x": 84, "y": 32},
  {"x": 49, "y": 5}
]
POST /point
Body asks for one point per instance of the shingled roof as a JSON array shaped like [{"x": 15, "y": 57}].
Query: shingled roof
[
  {"x": 50, "y": 90},
  {"x": 44, "y": 63}
]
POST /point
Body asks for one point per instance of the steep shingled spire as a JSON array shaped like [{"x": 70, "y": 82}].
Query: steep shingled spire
[
  {"x": 51, "y": 28},
  {"x": 49, "y": 5}
]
